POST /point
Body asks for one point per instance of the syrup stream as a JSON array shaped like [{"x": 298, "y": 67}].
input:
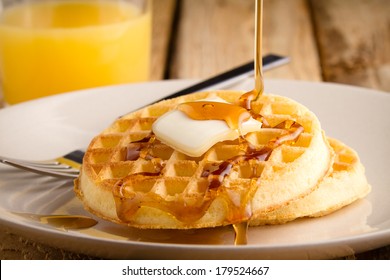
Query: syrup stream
[
  {"x": 247, "y": 98},
  {"x": 259, "y": 84}
]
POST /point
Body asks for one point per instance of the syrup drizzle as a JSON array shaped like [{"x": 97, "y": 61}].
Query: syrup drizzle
[
  {"x": 141, "y": 149},
  {"x": 191, "y": 209},
  {"x": 217, "y": 175},
  {"x": 233, "y": 115},
  {"x": 136, "y": 149}
]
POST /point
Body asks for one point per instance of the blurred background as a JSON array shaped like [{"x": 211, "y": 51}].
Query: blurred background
[{"x": 327, "y": 40}]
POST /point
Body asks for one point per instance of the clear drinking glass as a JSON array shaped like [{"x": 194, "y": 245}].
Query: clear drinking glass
[{"x": 55, "y": 46}]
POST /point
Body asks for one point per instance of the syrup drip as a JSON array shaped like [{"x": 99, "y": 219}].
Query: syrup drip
[{"x": 240, "y": 230}]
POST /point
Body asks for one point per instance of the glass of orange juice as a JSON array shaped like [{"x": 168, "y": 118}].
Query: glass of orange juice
[{"x": 55, "y": 46}]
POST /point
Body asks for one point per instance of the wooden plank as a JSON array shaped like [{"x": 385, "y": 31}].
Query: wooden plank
[
  {"x": 354, "y": 41},
  {"x": 163, "y": 14},
  {"x": 212, "y": 36},
  {"x": 288, "y": 31},
  {"x": 215, "y": 35}
]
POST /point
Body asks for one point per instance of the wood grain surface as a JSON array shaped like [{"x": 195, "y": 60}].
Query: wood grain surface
[
  {"x": 344, "y": 41},
  {"x": 223, "y": 38},
  {"x": 354, "y": 41}
]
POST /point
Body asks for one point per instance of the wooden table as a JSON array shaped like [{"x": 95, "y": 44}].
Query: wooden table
[{"x": 328, "y": 40}]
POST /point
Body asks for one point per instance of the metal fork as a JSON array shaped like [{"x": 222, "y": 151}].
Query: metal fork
[
  {"x": 68, "y": 166},
  {"x": 65, "y": 167}
]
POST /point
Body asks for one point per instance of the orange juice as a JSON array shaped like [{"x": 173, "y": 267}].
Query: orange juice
[{"x": 57, "y": 46}]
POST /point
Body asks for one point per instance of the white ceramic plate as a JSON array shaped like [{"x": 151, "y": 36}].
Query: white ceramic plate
[{"x": 49, "y": 127}]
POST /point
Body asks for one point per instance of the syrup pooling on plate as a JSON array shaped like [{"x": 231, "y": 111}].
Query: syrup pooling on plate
[
  {"x": 65, "y": 222},
  {"x": 68, "y": 221}
]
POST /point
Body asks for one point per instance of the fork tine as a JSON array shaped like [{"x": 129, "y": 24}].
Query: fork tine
[
  {"x": 65, "y": 167},
  {"x": 51, "y": 165},
  {"x": 68, "y": 174},
  {"x": 43, "y": 164}
]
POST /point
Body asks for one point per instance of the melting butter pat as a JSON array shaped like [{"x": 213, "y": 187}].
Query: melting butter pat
[{"x": 195, "y": 137}]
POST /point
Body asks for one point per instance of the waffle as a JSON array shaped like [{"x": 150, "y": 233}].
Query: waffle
[
  {"x": 346, "y": 184},
  {"x": 130, "y": 177}
]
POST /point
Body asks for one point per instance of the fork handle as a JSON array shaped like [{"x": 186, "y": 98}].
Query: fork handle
[{"x": 76, "y": 156}]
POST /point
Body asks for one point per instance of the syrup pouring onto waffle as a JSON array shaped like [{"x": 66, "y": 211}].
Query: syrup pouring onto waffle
[{"x": 235, "y": 115}]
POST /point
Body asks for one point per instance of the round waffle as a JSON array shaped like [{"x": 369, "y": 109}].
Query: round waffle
[
  {"x": 130, "y": 177},
  {"x": 345, "y": 184}
]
